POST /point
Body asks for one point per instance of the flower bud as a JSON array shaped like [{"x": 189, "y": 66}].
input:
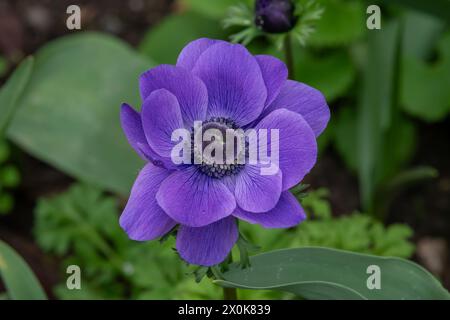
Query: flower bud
[{"x": 275, "y": 16}]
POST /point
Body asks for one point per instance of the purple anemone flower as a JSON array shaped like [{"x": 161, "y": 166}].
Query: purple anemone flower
[{"x": 222, "y": 85}]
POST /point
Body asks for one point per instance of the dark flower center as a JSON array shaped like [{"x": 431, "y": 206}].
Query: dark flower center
[
  {"x": 220, "y": 131},
  {"x": 275, "y": 16}
]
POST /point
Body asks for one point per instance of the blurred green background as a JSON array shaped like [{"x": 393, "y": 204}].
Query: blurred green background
[{"x": 381, "y": 184}]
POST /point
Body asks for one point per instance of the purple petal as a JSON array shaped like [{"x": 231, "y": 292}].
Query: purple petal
[
  {"x": 305, "y": 100},
  {"x": 236, "y": 88},
  {"x": 190, "y": 53},
  {"x": 188, "y": 89},
  {"x": 256, "y": 192},
  {"x": 287, "y": 213},
  {"x": 229, "y": 182},
  {"x": 208, "y": 245},
  {"x": 275, "y": 74},
  {"x": 194, "y": 199},
  {"x": 142, "y": 218},
  {"x": 297, "y": 144},
  {"x": 156, "y": 159},
  {"x": 132, "y": 126},
  {"x": 160, "y": 117}
]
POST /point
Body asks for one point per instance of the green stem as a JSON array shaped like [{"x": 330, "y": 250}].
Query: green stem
[
  {"x": 289, "y": 56},
  {"x": 229, "y": 293}
]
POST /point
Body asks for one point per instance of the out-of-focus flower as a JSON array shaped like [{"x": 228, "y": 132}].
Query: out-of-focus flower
[{"x": 223, "y": 86}]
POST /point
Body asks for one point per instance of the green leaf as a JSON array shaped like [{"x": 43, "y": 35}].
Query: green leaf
[
  {"x": 82, "y": 212},
  {"x": 213, "y": 9},
  {"x": 398, "y": 145},
  {"x": 342, "y": 22},
  {"x": 9, "y": 176},
  {"x": 316, "y": 202},
  {"x": 424, "y": 90},
  {"x": 376, "y": 105},
  {"x": 354, "y": 232},
  {"x": 69, "y": 114},
  {"x": 438, "y": 8},
  {"x": 345, "y": 138},
  {"x": 4, "y": 151},
  {"x": 322, "y": 273},
  {"x": 164, "y": 42},
  {"x": 420, "y": 34},
  {"x": 399, "y": 182},
  {"x": 12, "y": 91},
  {"x": 332, "y": 74},
  {"x": 411, "y": 177},
  {"x": 6, "y": 203},
  {"x": 19, "y": 280},
  {"x": 3, "y": 66}
]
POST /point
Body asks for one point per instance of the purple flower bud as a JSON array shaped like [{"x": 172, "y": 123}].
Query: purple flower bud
[{"x": 275, "y": 16}]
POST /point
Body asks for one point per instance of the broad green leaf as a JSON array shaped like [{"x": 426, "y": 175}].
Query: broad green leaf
[
  {"x": 342, "y": 22},
  {"x": 438, "y": 8},
  {"x": 11, "y": 92},
  {"x": 215, "y": 9},
  {"x": 19, "y": 280},
  {"x": 345, "y": 138},
  {"x": 69, "y": 114},
  {"x": 332, "y": 74},
  {"x": 420, "y": 34},
  {"x": 397, "y": 147},
  {"x": 322, "y": 273},
  {"x": 164, "y": 42},
  {"x": 424, "y": 90},
  {"x": 399, "y": 144},
  {"x": 376, "y": 105}
]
